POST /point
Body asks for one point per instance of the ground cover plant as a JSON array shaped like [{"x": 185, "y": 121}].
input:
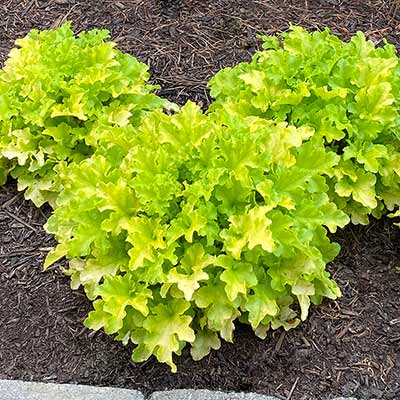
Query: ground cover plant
[
  {"x": 58, "y": 95},
  {"x": 189, "y": 221},
  {"x": 346, "y": 348},
  {"x": 348, "y": 92},
  {"x": 192, "y": 242}
]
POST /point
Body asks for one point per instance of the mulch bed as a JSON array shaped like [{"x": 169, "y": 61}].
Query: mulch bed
[{"x": 347, "y": 347}]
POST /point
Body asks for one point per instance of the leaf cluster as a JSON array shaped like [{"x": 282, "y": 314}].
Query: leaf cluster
[
  {"x": 59, "y": 93},
  {"x": 200, "y": 224},
  {"x": 178, "y": 223},
  {"x": 348, "y": 92}
]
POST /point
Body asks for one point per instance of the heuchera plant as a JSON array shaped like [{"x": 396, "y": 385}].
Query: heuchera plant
[
  {"x": 347, "y": 92},
  {"x": 58, "y": 95},
  {"x": 177, "y": 223},
  {"x": 198, "y": 225}
]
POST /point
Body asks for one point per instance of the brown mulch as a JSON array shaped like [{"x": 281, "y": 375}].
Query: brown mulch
[{"x": 347, "y": 347}]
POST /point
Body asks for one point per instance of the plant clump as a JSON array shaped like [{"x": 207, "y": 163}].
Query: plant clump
[
  {"x": 175, "y": 248},
  {"x": 59, "y": 93},
  {"x": 178, "y": 222},
  {"x": 348, "y": 92}
]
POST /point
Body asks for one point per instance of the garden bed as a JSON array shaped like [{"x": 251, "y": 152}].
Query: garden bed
[{"x": 347, "y": 347}]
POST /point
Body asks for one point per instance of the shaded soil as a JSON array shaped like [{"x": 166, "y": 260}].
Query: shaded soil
[{"x": 347, "y": 347}]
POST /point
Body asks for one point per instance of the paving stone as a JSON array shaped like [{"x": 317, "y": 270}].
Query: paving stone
[
  {"x": 18, "y": 390},
  {"x": 190, "y": 394},
  {"x": 346, "y": 398}
]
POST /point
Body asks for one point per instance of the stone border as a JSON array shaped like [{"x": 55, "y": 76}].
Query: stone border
[
  {"x": 200, "y": 394},
  {"x": 192, "y": 394},
  {"x": 19, "y": 390}
]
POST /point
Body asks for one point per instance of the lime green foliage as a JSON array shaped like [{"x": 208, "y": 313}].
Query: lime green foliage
[
  {"x": 58, "y": 96},
  {"x": 200, "y": 224},
  {"x": 347, "y": 92},
  {"x": 179, "y": 223}
]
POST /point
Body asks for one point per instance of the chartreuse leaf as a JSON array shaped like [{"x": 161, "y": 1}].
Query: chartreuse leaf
[
  {"x": 188, "y": 284},
  {"x": 373, "y": 102},
  {"x": 320, "y": 211},
  {"x": 392, "y": 198},
  {"x": 220, "y": 312},
  {"x": 369, "y": 156},
  {"x": 92, "y": 271},
  {"x": 187, "y": 224},
  {"x": 283, "y": 139},
  {"x": 362, "y": 189},
  {"x": 146, "y": 235},
  {"x": 190, "y": 271},
  {"x": 204, "y": 342},
  {"x": 98, "y": 318},
  {"x": 260, "y": 304},
  {"x": 4, "y": 170},
  {"x": 395, "y": 215},
  {"x": 238, "y": 276},
  {"x": 117, "y": 293},
  {"x": 166, "y": 341},
  {"x": 303, "y": 289},
  {"x": 251, "y": 229},
  {"x": 54, "y": 255},
  {"x": 286, "y": 317}
]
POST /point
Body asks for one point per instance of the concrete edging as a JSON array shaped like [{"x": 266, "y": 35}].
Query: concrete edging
[
  {"x": 201, "y": 394},
  {"x": 19, "y": 390}
]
